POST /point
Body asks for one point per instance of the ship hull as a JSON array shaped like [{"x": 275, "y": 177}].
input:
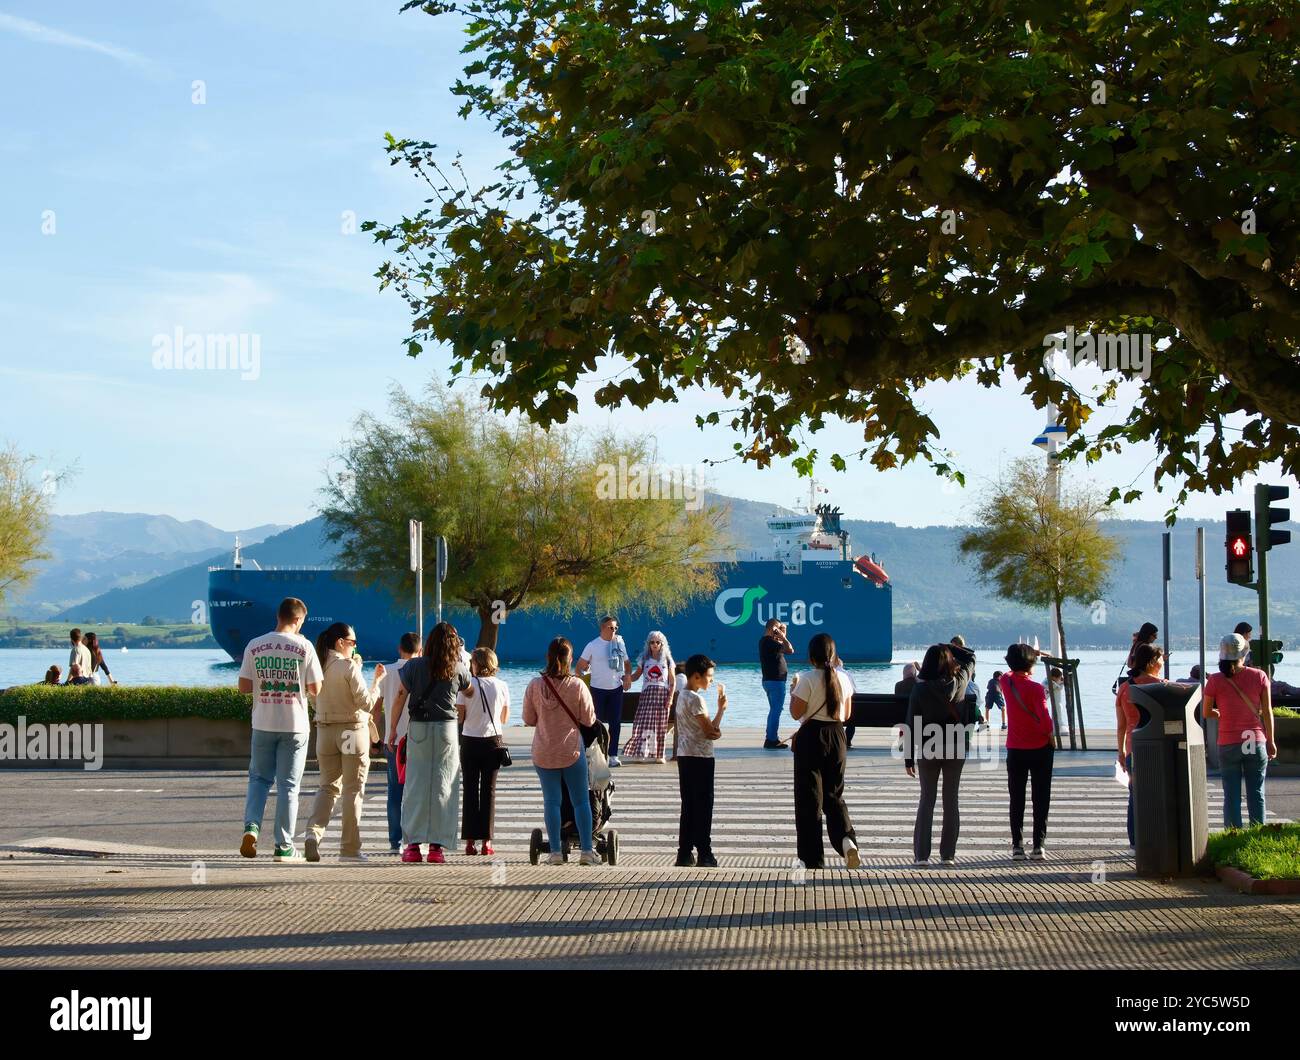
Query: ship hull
[{"x": 827, "y": 596}]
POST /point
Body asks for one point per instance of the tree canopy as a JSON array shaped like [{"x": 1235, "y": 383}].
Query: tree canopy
[
  {"x": 1036, "y": 550},
  {"x": 819, "y": 207},
  {"x": 531, "y": 517},
  {"x": 24, "y": 518}
]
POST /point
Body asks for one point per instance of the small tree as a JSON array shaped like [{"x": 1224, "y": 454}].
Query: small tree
[
  {"x": 1038, "y": 551},
  {"x": 528, "y": 514},
  {"x": 24, "y": 519}
]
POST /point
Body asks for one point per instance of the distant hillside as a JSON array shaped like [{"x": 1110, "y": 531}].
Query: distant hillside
[
  {"x": 171, "y": 597},
  {"x": 936, "y": 593},
  {"x": 101, "y": 551}
]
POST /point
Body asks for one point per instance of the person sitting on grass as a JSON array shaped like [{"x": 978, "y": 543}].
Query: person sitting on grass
[
  {"x": 52, "y": 675},
  {"x": 75, "y": 676}
]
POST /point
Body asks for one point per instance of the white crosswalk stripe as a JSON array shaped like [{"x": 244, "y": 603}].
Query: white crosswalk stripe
[{"x": 754, "y": 812}]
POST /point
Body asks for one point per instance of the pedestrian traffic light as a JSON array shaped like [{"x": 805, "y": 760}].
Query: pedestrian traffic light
[
  {"x": 1265, "y": 516},
  {"x": 1263, "y": 657},
  {"x": 1241, "y": 560}
]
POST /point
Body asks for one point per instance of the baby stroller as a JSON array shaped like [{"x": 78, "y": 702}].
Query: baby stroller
[{"x": 599, "y": 789}]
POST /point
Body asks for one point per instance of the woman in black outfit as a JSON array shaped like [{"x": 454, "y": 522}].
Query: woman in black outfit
[
  {"x": 821, "y": 703},
  {"x": 939, "y": 722}
]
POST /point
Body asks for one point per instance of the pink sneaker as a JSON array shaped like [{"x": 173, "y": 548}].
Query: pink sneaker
[
  {"x": 411, "y": 855},
  {"x": 487, "y": 850},
  {"x": 435, "y": 856},
  {"x": 470, "y": 850}
]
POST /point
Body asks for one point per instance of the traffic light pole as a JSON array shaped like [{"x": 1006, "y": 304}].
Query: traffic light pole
[{"x": 1261, "y": 585}]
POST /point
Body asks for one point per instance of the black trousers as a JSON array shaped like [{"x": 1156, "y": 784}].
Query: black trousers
[
  {"x": 479, "y": 766},
  {"x": 695, "y": 782},
  {"x": 1036, "y": 766},
  {"x": 819, "y": 753}
]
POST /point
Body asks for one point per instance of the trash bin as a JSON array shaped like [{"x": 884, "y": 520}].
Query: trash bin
[{"x": 1170, "y": 813}]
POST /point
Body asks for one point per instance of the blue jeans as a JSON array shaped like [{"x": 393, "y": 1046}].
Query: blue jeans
[
  {"x": 277, "y": 758},
  {"x": 609, "y": 709},
  {"x": 1236, "y": 765},
  {"x": 574, "y": 778},
  {"x": 394, "y": 800},
  {"x": 775, "y": 704}
]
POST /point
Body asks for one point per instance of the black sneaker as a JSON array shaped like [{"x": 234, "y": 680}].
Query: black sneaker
[
  {"x": 707, "y": 861},
  {"x": 685, "y": 861},
  {"x": 774, "y": 745}
]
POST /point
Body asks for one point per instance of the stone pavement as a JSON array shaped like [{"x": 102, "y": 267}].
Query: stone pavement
[{"x": 76, "y": 900}]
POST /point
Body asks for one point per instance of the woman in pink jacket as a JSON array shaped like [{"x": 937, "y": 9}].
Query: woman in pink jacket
[
  {"x": 557, "y": 703},
  {"x": 1029, "y": 748}
]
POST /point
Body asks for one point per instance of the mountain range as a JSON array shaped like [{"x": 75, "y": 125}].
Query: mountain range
[
  {"x": 936, "y": 591},
  {"x": 102, "y": 552}
]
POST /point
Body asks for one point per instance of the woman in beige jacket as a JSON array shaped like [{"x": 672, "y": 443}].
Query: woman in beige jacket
[{"x": 343, "y": 708}]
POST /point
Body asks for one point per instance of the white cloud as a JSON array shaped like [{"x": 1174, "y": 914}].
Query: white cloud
[{"x": 48, "y": 35}]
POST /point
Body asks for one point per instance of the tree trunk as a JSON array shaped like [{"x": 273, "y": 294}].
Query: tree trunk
[
  {"x": 1065, "y": 655},
  {"x": 487, "y": 629}
]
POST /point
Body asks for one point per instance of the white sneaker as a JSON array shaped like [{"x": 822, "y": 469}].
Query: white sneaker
[
  {"x": 661, "y": 761},
  {"x": 851, "y": 858},
  {"x": 589, "y": 857},
  {"x": 353, "y": 857},
  {"x": 920, "y": 861},
  {"x": 614, "y": 763},
  {"x": 555, "y": 859},
  {"x": 949, "y": 861},
  {"x": 1037, "y": 854}
]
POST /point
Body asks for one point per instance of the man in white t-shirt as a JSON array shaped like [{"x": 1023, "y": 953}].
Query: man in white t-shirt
[
  {"x": 408, "y": 648},
  {"x": 281, "y": 670},
  {"x": 79, "y": 655},
  {"x": 611, "y": 674}
]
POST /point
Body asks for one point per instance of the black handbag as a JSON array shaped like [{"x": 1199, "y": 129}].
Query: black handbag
[{"x": 504, "y": 761}]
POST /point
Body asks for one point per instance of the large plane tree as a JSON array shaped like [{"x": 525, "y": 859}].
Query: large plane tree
[{"x": 819, "y": 207}]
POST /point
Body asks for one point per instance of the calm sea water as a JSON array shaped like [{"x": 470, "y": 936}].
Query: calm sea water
[{"x": 747, "y": 704}]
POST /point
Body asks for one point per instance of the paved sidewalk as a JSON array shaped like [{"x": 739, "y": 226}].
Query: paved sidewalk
[{"x": 76, "y": 899}]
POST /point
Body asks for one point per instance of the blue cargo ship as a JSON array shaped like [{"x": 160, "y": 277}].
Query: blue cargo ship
[{"x": 808, "y": 578}]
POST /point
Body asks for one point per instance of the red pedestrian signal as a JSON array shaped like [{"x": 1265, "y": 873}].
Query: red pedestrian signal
[{"x": 1241, "y": 561}]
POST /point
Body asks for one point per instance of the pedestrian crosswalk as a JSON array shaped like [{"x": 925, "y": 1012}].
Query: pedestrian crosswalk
[{"x": 754, "y": 812}]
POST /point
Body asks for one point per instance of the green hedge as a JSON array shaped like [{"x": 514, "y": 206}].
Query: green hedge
[
  {"x": 1266, "y": 851},
  {"x": 1285, "y": 712},
  {"x": 56, "y": 703}
]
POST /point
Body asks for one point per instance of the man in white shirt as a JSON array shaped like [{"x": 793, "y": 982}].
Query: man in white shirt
[
  {"x": 408, "y": 648},
  {"x": 79, "y": 655},
  {"x": 281, "y": 670},
  {"x": 611, "y": 675}
]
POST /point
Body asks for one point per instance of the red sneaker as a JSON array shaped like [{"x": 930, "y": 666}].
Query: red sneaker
[
  {"x": 487, "y": 849},
  {"x": 469, "y": 849},
  {"x": 435, "y": 856},
  {"x": 411, "y": 855}
]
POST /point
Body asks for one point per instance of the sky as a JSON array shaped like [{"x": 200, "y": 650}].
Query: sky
[{"x": 202, "y": 166}]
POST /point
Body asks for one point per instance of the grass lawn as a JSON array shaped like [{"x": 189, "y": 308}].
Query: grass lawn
[{"x": 1266, "y": 851}]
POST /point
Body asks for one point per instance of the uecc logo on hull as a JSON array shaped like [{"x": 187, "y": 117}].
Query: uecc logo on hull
[{"x": 796, "y": 612}]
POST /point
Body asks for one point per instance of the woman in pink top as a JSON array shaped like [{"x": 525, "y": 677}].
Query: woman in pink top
[
  {"x": 1239, "y": 696},
  {"x": 556, "y": 703},
  {"x": 1029, "y": 748}
]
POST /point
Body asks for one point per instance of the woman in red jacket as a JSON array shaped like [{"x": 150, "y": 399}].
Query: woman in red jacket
[{"x": 1029, "y": 748}]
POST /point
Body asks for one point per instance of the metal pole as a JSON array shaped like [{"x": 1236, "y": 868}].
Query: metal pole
[
  {"x": 1165, "y": 544},
  {"x": 419, "y": 581},
  {"x": 1261, "y": 576},
  {"x": 1200, "y": 577}
]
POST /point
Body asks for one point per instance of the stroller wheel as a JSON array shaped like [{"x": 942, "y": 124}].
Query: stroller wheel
[
  {"x": 611, "y": 847},
  {"x": 535, "y": 845}
]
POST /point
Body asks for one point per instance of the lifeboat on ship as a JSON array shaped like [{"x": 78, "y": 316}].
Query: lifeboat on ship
[{"x": 869, "y": 568}]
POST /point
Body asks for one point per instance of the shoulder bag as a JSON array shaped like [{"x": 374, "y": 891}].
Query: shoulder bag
[
  {"x": 503, "y": 752},
  {"x": 1257, "y": 711}
]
